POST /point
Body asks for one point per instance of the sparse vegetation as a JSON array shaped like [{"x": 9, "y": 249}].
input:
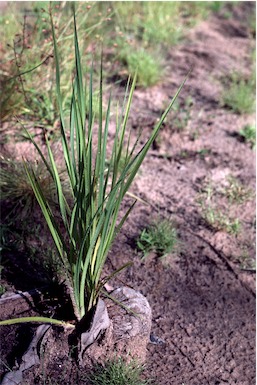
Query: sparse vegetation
[
  {"x": 239, "y": 94},
  {"x": 159, "y": 237},
  {"x": 211, "y": 211},
  {"x": 146, "y": 65},
  {"x": 236, "y": 192},
  {"x": 119, "y": 373},
  {"x": 137, "y": 34},
  {"x": 248, "y": 133},
  {"x": 245, "y": 260},
  {"x": 220, "y": 221},
  {"x": 181, "y": 114}
]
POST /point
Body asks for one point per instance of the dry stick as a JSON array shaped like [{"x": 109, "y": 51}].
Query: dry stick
[
  {"x": 23, "y": 34},
  {"x": 19, "y": 73}
]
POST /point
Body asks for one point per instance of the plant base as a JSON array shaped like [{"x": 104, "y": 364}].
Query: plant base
[{"x": 120, "y": 328}]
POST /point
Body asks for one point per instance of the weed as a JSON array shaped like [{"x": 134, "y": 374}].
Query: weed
[
  {"x": 239, "y": 94},
  {"x": 248, "y": 133},
  {"x": 219, "y": 221},
  {"x": 216, "y": 6},
  {"x": 236, "y": 192},
  {"x": 211, "y": 212},
  {"x": 160, "y": 237},
  {"x": 118, "y": 373}
]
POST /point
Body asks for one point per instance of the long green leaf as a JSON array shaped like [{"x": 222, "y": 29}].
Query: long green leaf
[{"x": 40, "y": 320}]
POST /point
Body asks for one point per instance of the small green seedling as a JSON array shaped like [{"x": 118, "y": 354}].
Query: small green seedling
[{"x": 182, "y": 114}]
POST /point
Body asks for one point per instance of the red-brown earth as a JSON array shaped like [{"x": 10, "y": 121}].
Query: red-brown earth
[{"x": 203, "y": 295}]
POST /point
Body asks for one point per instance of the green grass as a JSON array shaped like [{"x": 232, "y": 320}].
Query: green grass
[
  {"x": 149, "y": 27},
  {"x": 213, "y": 214},
  {"x": 239, "y": 94},
  {"x": 220, "y": 221},
  {"x": 150, "y": 23},
  {"x": 248, "y": 133},
  {"x": 236, "y": 192},
  {"x": 160, "y": 237},
  {"x": 147, "y": 66},
  {"x": 28, "y": 56},
  {"x": 118, "y": 373}
]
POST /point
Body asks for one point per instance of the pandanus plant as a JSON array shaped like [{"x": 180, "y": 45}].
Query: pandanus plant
[{"x": 90, "y": 218}]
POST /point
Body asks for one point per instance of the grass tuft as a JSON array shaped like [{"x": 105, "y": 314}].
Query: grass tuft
[
  {"x": 15, "y": 187},
  {"x": 236, "y": 192},
  {"x": 160, "y": 237},
  {"x": 239, "y": 96},
  {"x": 248, "y": 133},
  {"x": 118, "y": 373},
  {"x": 146, "y": 65}
]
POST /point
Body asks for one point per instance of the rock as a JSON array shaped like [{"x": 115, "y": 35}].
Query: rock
[{"x": 129, "y": 331}]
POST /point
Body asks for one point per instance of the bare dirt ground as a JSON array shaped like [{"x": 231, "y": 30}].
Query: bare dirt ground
[
  {"x": 202, "y": 297},
  {"x": 203, "y": 303}
]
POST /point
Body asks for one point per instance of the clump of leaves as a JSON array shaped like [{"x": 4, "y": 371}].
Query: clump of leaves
[
  {"x": 119, "y": 373},
  {"x": 159, "y": 237}
]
